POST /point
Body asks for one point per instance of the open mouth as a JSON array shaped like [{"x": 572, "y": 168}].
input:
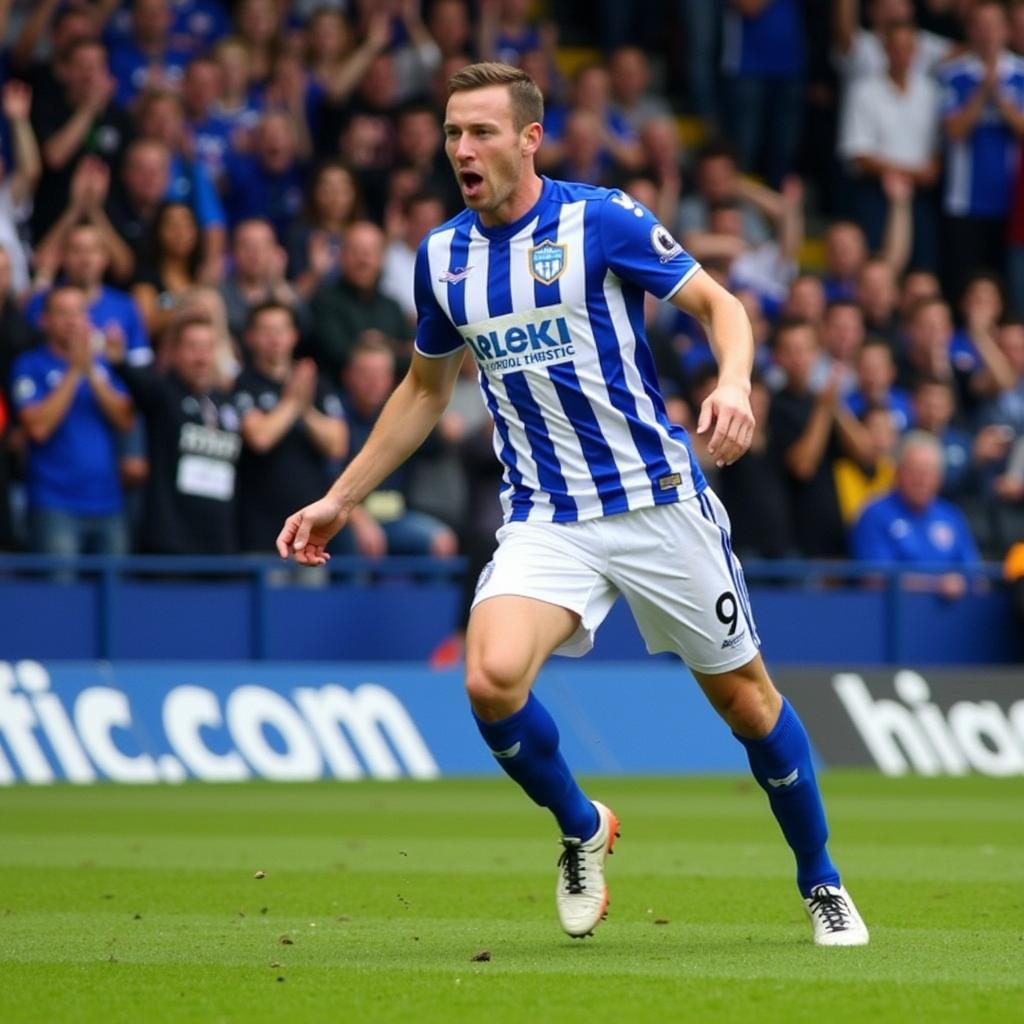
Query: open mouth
[{"x": 471, "y": 182}]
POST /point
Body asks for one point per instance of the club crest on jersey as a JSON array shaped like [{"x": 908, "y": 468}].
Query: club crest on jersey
[{"x": 547, "y": 261}]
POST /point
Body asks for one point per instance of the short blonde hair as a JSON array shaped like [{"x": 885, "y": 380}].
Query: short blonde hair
[{"x": 527, "y": 101}]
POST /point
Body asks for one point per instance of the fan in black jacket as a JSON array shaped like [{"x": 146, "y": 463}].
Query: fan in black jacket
[{"x": 194, "y": 444}]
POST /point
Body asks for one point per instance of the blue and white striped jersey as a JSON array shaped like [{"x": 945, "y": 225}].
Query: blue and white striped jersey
[
  {"x": 980, "y": 169},
  {"x": 551, "y": 307}
]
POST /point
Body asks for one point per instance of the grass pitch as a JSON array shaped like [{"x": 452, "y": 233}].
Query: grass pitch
[{"x": 141, "y": 904}]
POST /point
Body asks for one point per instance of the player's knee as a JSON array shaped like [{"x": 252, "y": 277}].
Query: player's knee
[
  {"x": 495, "y": 684},
  {"x": 750, "y": 710}
]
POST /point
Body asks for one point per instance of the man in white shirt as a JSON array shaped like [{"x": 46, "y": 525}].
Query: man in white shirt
[
  {"x": 860, "y": 52},
  {"x": 421, "y": 212},
  {"x": 890, "y": 125}
]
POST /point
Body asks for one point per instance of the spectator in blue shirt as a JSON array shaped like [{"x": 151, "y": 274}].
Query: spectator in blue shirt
[
  {"x": 876, "y": 377},
  {"x": 983, "y": 121},
  {"x": 84, "y": 261},
  {"x": 148, "y": 58},
  {"x": 161, "y": 117},
  {"x": 72, "y": 409},
  {"x": 239, "y": 104},
  {"x": 210, "y": 135},
  {"x": 592, "y": 92},
  {"x": 195, "y": 25},
  {"x": 269, "y": 183},
  {"x": 764, "y": 59},
  {"x": 915, "y": 527},
  {"x": 934, "y": 406}
]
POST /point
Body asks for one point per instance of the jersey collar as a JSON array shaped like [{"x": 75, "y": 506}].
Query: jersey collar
[{"x": 507, "y": 230}]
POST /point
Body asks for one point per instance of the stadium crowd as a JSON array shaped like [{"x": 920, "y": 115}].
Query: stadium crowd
[{"x": 209, "y": 214}]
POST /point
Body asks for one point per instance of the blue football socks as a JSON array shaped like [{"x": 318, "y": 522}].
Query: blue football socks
[
  {"x": 781, "y": 763},
  {"x": 526, "y": 746}
]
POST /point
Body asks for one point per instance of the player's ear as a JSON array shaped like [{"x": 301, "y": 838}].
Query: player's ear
[{"x": 530, "y": 138}]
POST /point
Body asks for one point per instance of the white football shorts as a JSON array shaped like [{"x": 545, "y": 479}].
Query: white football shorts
[{"x": 673, "y": 563}]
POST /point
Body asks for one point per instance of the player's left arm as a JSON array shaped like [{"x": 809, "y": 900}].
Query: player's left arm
[
  {"x": 728, "y": 330},
  {"x": 643, "y": 252}
]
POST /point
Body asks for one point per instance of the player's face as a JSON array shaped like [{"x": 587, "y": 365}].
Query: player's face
[{"x": 485, "y": 148}]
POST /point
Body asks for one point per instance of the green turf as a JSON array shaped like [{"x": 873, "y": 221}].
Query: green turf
[{"x": 140, "y": 904}]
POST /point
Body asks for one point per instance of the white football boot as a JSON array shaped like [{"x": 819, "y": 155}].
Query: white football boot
[
  {"x": 834, "y": 917},
  {"x": 581, "y": 893}
]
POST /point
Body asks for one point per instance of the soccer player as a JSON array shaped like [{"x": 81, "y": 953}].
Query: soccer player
[{"x": 543, "y": 281}]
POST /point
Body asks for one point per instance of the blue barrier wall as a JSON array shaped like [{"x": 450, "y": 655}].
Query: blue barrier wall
[
  {"x": 135, "y": 722},
  {"x": 232, "y": 610}
]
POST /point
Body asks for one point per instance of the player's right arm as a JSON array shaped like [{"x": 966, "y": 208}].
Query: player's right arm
[{"x": 404, "y": 423}]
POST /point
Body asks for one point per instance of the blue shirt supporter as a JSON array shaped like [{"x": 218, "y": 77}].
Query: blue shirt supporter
[
  {"x": 896, "y": 401},
  {"x": 76, "y": 469},
  {"x": 195, "y": 25},
  {"x": 111, "y": 306},
  {"x": 198, "y": 24},
  {"x": 211, "y": 141},
  {"x": 980, "y": 169},
  {"x": 766, "y": 45},
  {"x": 134, "y": 70},
  {"x": 257, "y": 192},
  {"x": 889, "y": 530}
]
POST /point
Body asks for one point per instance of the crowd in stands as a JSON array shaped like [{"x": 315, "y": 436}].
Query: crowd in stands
[{"x": 209, "y": 213}]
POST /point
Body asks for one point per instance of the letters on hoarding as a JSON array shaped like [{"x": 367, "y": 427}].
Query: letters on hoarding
[
  {"x": 935, "y": 722},
  {"x": 255, "y": 731}
]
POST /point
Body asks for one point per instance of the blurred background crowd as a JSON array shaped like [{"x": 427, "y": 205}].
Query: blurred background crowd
[{"x": 209, "y": 213}]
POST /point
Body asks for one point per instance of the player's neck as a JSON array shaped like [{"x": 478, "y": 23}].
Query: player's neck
[{"x": 525, "y": 196}]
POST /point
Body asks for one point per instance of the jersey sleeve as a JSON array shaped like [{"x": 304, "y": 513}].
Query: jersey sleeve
[
  {"x": 436, "y": 335},
  {"x": 640, "y": 250}
]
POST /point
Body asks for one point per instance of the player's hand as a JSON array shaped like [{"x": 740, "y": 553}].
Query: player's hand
[
  {"x": 728, "y": 408},
  {"x": 306, "y": 533}
]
